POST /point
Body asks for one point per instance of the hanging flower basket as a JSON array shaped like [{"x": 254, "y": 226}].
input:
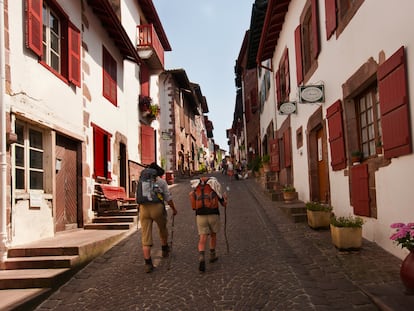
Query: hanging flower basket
[{"x": 144, "y": 103}]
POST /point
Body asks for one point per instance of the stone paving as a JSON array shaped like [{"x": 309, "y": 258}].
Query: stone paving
[{"x": 272, "y": 264}]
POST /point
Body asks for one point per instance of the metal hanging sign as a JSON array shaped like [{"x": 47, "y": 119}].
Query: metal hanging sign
[{"x": 311, "y": 94}]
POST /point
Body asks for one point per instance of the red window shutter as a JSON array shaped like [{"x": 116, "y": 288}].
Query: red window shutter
[
  {"x": 278, "y": 93},
  {"x": 336, "y": 136},
  {"x": 74, "y": 55},
  {"x": 98, "y": 153},
  {"x": 288, "y": 148},
  {"x": 298, "y": 48},
  {"x": 145, "y": 89},
  {"x": 108, "y": 156},
  {"x": 330, "y": 14},
  {"x": 315, "y": 29},
  {"x": 287, "y": 74},
  {"x": 109, "y": 77},
  {"x": 360, "y": 190},
  {"x": 147, "y": 144},
  {"x": 34, "y": 31},
  {"x": 393, "y": 97},
  {"x": 274, "y": 155}
]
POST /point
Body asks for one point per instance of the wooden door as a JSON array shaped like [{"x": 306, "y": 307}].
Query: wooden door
[
  {"x": 322, "y": 166},
  {"x": 66, "y": 186}
]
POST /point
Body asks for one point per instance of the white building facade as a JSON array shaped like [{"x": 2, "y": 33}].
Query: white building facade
[
  {"x": 341, "y": 83},
  {"x": 70, "y": 109}
]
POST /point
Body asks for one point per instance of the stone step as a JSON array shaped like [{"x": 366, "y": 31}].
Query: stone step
[
  {"x": 114, "y": 219},
  {"x": 117, "y": 212},
  {"x": 109, "y": 226},
  {"x": 22, "y": 298},
  {"x": 42, "y": 251},
  {"x": 41, "y": 262},
  {"x": 33, "y": 278}
]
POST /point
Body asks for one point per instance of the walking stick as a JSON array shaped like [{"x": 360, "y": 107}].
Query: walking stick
[
  {"x": 225, "y": 229},
  {"x": 171, "y": 243}
]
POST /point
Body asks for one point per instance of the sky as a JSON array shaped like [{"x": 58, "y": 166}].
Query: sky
[{"x": 206, "y": 37}]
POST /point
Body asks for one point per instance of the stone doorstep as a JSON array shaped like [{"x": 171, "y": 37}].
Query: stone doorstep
[
  {"x": 41, "y": 262},
  {"x": 115, "y": 219},
  {"x": 109, "y": 226},
  {"x": 21, "y": 299},
  {"x": 32, "y": 278}
]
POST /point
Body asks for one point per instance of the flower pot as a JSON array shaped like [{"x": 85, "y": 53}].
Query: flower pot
[
  {"x": 407, "y": 273},
  {"x": 318, "y": 219},
  {"x": 346, "y": 238},
  {"x": 289, "y": 196}
]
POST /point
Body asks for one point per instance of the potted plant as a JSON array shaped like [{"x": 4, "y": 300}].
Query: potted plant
[
  {"x": 346, "y": 232},
  {"x": 266, "y": 162},
  {"x": 378, "y": 147},
  {"x": 404, "y": 236},
  {"x": 319, "y": 214},
  {"x": 289, "y": 193},
  {"x": 356, "y": 156}
]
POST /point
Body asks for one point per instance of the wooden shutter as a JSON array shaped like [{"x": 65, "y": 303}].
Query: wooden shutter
[
  {"x": 336, "y": 136},
  {"x": 287, "y": 73},
  {"x": 360, "y": 189},
  {"x": 278, "y": 91},
  {"x": 98, "y": 152},
  {"x": 287, "y": 141},
  {"x": 315, "y": 29},
  {"x": 34, "y": 26},
  {"x": 330, "y": 14},
  {"x": 147, "y": 144},
  {"x": 274, "y": 155},
  {"x": 393, "y": 97},
  {"x": 298, "y": 48},
  {"x": 74, "y": 54},
  {"x": 144, "y": 78}
]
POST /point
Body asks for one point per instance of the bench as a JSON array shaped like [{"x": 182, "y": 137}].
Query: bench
[{"x": 112, "y": 197}]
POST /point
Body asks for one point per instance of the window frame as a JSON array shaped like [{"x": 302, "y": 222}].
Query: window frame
[
  {"x": 109, "y": 77},
  {"x": 70, "y": 59},
  {"x": 28, "y": 166}
]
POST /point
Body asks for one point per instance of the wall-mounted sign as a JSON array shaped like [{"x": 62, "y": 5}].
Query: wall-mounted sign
[
  {"x": 287, "y": 108},
  {"x": 165, "y": 135},
  {"x": 311, "y": 94}
]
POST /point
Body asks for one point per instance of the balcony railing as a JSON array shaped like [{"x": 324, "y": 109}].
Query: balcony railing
[{"x": 148, "y": 43}]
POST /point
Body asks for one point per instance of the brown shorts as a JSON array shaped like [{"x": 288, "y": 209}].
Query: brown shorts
[
  {"x": 207, "y": 224},
  {"x": 148, "y": 213}
]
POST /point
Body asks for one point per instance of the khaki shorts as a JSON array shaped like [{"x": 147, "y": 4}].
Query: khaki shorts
[
  {"x": 207, "y": 224},
  {"x": 148, "y": 213}
]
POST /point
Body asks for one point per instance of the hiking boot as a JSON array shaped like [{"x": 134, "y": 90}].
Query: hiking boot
[
  {"x": 213, "y": 258},
  {"x": 202, "y": 266},
  {"x": 149, "y": 268},
  {"x": 165, "y": 251}
]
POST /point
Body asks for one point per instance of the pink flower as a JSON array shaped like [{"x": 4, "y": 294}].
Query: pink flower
[{"x": 404, "y": 234}]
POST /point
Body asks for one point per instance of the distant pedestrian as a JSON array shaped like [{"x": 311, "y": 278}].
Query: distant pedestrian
[
  {"x": 230, "y": 169},
  {"x": 150, "y": 212},
  {"x": 207, "y": 215}
]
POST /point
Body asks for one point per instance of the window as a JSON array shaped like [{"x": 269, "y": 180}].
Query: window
[
  {"x": 283, "y": 80},
  {"x": 369, "y": 122},
  {"x": 109, "y": 77},
  {"x": 307, "y": 42},
  {"x": 54, "y": 39},
  {"x": 101, "y": 153},
  {"x": 339, "y": 13},
  {"x": 28, "y": 157},
  {"x": 51, "y": 38}
]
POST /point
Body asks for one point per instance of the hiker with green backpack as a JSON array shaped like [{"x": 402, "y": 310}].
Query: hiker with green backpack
[
  {"x": 151, "y": 195},
  {"x": 205, "y": 198}
]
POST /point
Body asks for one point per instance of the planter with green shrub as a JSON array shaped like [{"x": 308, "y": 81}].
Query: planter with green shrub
[
  {"x": 346, "y": 232},
  {"x": 319, "y": 214}
]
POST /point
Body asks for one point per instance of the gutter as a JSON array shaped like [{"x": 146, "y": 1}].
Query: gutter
[{"x": 3, "y": 150}]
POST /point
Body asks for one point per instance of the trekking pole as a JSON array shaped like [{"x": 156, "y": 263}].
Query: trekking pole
[{"x": 171, "y": 243}]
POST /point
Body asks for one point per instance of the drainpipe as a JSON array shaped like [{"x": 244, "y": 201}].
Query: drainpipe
[{"x": 3, "y": 158}]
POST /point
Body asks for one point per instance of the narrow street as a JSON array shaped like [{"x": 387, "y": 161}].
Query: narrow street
[{"x": 272, "y": 264}]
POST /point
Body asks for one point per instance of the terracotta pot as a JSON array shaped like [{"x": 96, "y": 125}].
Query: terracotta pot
[
  {"x": 289, "y": 196},
  {"x": 407, "y": 273}
]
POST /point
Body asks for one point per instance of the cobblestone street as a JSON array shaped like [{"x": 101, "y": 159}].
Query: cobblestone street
[{"x": 272, "y": 264}]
